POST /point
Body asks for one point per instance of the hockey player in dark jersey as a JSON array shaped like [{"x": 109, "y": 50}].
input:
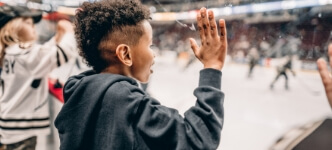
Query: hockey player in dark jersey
[{"x": 282, "y": 71}]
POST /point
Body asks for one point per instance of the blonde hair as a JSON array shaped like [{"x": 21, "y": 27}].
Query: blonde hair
[{"x": 9, "y": 35}]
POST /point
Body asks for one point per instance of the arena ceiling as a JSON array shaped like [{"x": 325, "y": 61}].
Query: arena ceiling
[
  {"x": 171, "y": 1},
  {"x": 184, "y": 5}
]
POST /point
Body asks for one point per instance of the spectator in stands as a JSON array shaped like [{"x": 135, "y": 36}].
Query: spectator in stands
[{"x": 24, "y": 105}]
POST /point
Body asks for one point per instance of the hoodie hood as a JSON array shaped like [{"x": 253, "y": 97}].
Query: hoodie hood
[{"x": 83, "y": 95}]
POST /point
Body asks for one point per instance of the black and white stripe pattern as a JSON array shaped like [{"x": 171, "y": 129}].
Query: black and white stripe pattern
[
  {"x": 61, "y": 56},
  {"x": 24, "y": 124}
]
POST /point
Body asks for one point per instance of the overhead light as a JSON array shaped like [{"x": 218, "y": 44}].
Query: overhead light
[
  {"x": 288, "y": 4},
  {"x": 153, "y": 9},
  {"x": 324, "y": 2},
  {"x": 226, "y": 11}
]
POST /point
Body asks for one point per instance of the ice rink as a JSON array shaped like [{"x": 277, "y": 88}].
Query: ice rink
[{"x": 255, "y": 115}]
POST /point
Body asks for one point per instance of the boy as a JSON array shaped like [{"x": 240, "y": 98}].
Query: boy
[{"x": 105, "y": 109}]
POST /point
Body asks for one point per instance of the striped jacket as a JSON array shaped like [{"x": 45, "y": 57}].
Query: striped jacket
[{"x": 24, "y": 108}]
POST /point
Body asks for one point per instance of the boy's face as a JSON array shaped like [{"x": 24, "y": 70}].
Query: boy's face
[{"x": 142, "y": 55}]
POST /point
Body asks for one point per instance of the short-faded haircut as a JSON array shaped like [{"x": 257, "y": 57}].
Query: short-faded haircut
[{"x": 102, "y": 25}]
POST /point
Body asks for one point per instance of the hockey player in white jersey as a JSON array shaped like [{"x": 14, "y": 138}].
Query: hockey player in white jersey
[{"x": 24, "y": 111}]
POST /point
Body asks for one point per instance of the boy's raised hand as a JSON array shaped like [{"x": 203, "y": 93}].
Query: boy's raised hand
[
  {"x": 213, "y": 49},
  {"x": 326, "y": 76}
]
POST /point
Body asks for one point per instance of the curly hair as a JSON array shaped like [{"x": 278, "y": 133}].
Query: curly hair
[{"x": 101, "y": 25}]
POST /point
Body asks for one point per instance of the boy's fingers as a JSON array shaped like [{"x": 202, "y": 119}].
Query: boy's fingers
[
  {"x": 194, "y": 46},
  {"x": 323, "y": 71},
  {"x": 223, "y": 33},
  {"x": 200, "y": 27},
  {"x": 205, "y": 21},
  {"x": 213, "y": 24}
]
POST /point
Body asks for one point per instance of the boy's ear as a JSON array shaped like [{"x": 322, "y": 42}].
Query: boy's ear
[{"x": 123, "y": 52}]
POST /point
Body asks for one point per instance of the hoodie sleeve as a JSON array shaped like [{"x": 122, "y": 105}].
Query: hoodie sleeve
[{"x": 200, "y": 128}]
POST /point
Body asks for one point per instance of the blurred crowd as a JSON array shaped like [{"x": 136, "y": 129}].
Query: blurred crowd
[{"x": 272, "y": 40}]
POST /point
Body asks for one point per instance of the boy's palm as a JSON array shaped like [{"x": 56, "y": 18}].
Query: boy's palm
[{"x": 213, "y": 49}]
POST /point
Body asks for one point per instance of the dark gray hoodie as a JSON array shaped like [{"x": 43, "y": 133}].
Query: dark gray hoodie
[{"x": 110, "y": 112}]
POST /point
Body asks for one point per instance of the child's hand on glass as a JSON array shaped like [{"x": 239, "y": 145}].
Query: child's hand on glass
[{"x": 213, "y": 50}]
